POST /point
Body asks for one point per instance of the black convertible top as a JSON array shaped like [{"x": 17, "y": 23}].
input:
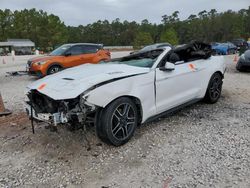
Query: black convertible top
[
  {"x": 151, "y": 54},
  {"x": 189, "y": 52}
]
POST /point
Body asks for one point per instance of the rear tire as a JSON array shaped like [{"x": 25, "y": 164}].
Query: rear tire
[
  {"x": 214, "y": 88},
  {"x": 118, "y": 122}
]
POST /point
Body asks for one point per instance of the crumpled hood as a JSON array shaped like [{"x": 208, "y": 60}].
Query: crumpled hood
[{"x": 72, "y": 82}]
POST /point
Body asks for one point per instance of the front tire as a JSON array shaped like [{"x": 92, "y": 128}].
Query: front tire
[
  {"x": 118, "y": 122},
  {"x": 214, "y": 88},
  {"x": 54, "y": 69}
]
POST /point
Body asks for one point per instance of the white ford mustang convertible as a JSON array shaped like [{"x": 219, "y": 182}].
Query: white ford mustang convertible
[{"x": 119, "y": 95}]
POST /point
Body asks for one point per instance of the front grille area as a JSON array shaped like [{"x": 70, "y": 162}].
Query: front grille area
[
  {"x": 42, "y": 103},
  {"x": 29, "y": 63}
]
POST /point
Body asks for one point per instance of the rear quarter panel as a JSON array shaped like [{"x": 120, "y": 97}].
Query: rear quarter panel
[{"x": 212, "y": 65}]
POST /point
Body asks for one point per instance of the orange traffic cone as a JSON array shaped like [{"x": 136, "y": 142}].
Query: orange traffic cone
[
  {"x": 4, "y": 62},
  {"x": 235, "y": 58},
  {"x": 3, "y": 111}
]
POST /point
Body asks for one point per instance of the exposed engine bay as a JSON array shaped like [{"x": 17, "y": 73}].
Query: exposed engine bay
[{"x": 72, "y": 111}]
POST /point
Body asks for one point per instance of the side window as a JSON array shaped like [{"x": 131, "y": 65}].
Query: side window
[
  {"x": 76, "y": 50},
  {"x": 83, "y": 49},
  {"x": 170, "y": 57},
  {"x": 90, "y": 49},
  {"x": 164, "y": 60}
]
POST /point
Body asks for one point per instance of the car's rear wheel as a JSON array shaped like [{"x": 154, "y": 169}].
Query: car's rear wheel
[
  {"x": 213, "y": 92},
  {"x": 54, "y": 69},
  {"x": 118, "y": 121}
]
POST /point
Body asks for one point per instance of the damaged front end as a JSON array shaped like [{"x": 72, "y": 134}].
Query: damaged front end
[{"x": 70, "y": 111}]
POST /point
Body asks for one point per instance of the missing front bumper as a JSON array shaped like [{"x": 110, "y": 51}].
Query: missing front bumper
[{"x": 54, "y": 119}]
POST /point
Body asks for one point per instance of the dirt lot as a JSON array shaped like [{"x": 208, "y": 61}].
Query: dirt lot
[{"x": 199, "y": 146}]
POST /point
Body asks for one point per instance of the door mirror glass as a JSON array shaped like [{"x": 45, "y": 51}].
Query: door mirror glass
[{"x": 168, "y": 67}]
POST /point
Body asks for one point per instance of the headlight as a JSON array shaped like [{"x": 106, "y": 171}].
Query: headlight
[{"x": 40, "y": 63}]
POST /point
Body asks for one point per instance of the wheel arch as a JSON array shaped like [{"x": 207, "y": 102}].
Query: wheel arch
[
  {"x": 54, "y": 64},
  {"x": 219, "y": 72},
  {"x": 207, "y": 96},
  {"x": 136, "y": 101}
]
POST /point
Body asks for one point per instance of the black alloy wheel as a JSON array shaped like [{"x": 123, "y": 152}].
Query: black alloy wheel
[
  {"x": 118, "y": 121},
  {"x": 214, "y": 88},
  {"x": 54, "y": 69},
  {"x": 123, "y": 121}
]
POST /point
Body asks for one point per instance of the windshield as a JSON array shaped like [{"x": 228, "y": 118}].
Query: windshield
[
  {"x": 147, "y": 48},
  {"x": 155, "y": 46},
  {"x": 60, "y": 50},
  {"x": 146, "y": 62},
  {"x": 143, "y": 59}
]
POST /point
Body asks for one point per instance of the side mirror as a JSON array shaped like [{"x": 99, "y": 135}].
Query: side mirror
[
  {"x": 67, "y": 54},
  {"x": 168, "y": 67}
]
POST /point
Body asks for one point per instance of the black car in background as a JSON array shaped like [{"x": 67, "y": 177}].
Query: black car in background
[
  {"x": 243, "y": 63},
  {"x": 240, "y": 43}
]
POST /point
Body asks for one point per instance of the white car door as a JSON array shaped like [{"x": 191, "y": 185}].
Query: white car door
[{"x": 178, "y": 86}]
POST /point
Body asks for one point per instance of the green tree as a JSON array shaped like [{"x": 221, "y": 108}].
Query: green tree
[
  {"x": 142, "y": 39},
  {"x": 170, "y": 36},
  {"x": 48, "y": 31},
  {"x": 6, "y": 18}
]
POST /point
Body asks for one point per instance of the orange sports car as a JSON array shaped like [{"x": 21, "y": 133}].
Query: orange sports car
[{"x": 67, "y": 55}]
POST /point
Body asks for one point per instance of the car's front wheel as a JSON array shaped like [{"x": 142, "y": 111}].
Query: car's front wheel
[
  {"x": 214, "y": 88},
  {"x": 119, "y": 121},
  {"x": 54, "y": 69}
]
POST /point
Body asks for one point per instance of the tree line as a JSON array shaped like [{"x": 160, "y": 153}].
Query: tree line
[{"x": 47, "y": 30}]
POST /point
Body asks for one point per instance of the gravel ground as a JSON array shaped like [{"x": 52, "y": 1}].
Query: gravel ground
[{"x": 199, "y": 146}]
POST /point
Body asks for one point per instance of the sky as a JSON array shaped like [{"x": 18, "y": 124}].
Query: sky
[{"x": 76, "y": 12}]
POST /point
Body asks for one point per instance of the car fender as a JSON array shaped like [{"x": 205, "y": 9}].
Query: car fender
[
  {"x": 53, "y": 64},
  {"x": 138, "y": 86},
  {"x": 215, "y": 64}
]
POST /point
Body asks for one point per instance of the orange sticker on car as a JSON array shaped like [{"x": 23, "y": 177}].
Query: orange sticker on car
[
  {"x": 191, "y": 66},
  {"x": 41, "y": 86}
]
